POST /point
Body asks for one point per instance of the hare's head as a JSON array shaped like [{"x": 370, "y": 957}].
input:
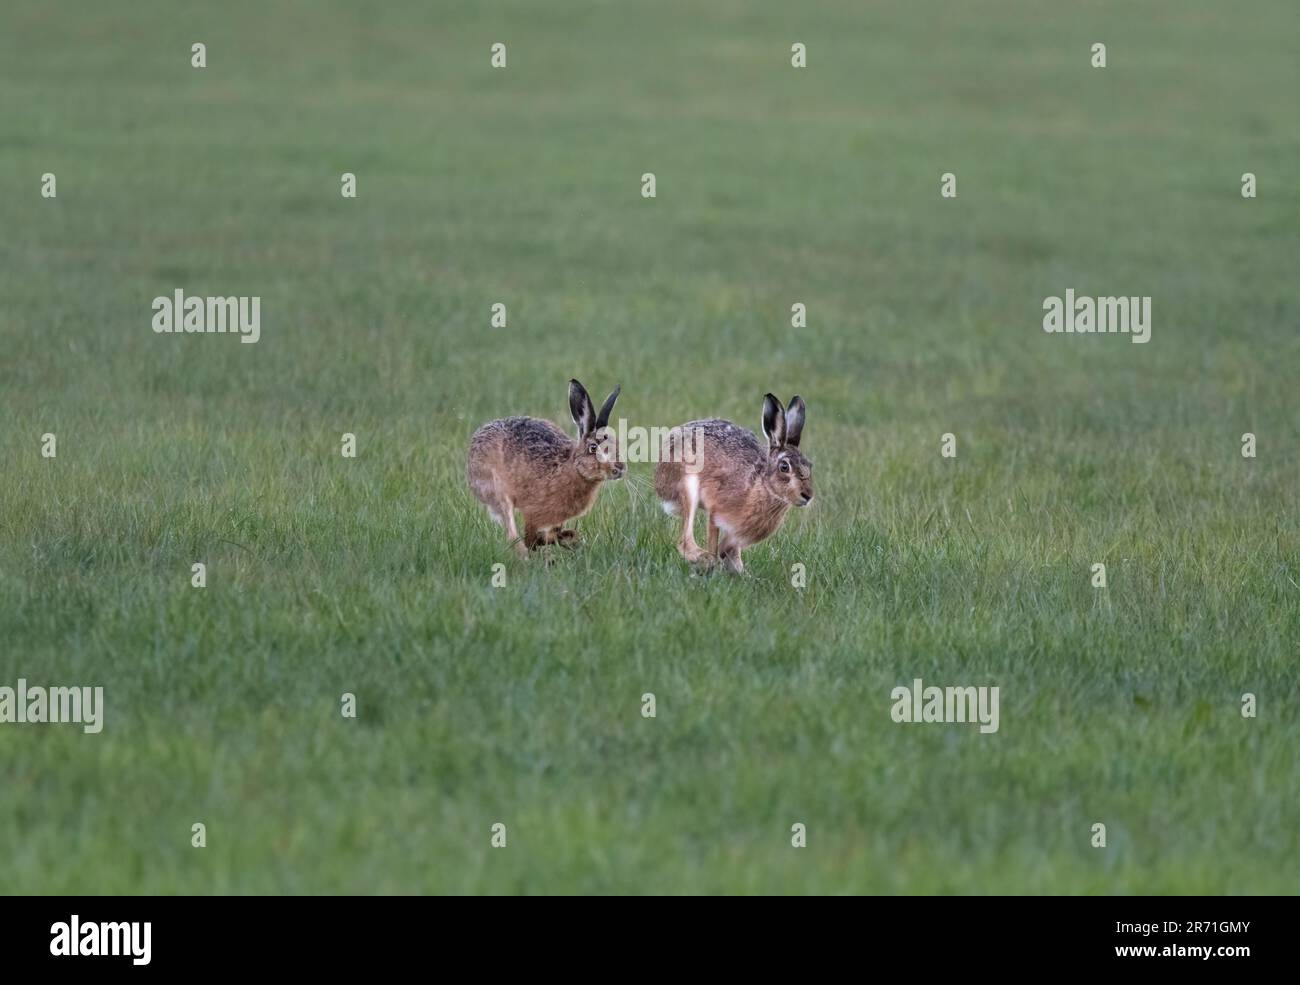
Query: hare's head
[
  {"x": 596, "y": 454},
  {"x": 789, "y": 473}
]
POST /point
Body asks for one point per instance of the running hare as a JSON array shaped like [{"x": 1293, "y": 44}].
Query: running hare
[
  {"x": 746, "y": 485},
  {"x": 522, "y": 463}
]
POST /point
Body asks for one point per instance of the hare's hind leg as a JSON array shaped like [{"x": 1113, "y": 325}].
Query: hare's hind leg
[
  {"x": 506, "y": 517},
  {"x": 487, "y": 488},
  {"x": 690, "y": 497},
  {"x": 680, "y": 495},
  {"x": 502, "y": 511},
  {"x": 504, "y": 514}
]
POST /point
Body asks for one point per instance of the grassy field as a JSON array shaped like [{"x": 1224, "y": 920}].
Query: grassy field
[{"x": 775, "y": 185}]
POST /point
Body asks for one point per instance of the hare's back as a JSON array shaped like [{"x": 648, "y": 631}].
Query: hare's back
[
  {"x": 524, "y": 437},
  {"x": 728, "y": 441}
]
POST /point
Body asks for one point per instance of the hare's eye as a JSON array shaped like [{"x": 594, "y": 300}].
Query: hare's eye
[
  {"x": 591, "y": 448},
  {"x": 785, "y": 465}
]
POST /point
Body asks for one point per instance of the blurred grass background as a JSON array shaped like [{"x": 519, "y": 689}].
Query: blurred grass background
[{"x": 775, "y": 185}]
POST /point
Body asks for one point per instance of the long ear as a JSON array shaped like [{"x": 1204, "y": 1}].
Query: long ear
[
  {"x": 584, "y": 415},
  {"x": 794, "y": 421},
  {"x": 603, "y": 417},
  {"x": 773, "y": 422}
]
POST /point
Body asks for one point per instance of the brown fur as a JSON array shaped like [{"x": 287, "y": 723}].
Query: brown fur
[
  {"x": 741, "y": 482},
  {"x": 531, "y": 465}
]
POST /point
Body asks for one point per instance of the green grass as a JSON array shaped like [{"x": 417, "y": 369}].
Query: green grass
[{"x": 522, "y": 704}]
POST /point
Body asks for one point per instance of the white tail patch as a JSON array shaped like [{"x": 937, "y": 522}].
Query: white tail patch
[{"x": 691, "y": 485}]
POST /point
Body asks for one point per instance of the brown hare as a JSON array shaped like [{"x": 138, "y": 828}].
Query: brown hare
[
  {"x": 525, "y": 464},
  {"x": 747, "y": 486}
]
